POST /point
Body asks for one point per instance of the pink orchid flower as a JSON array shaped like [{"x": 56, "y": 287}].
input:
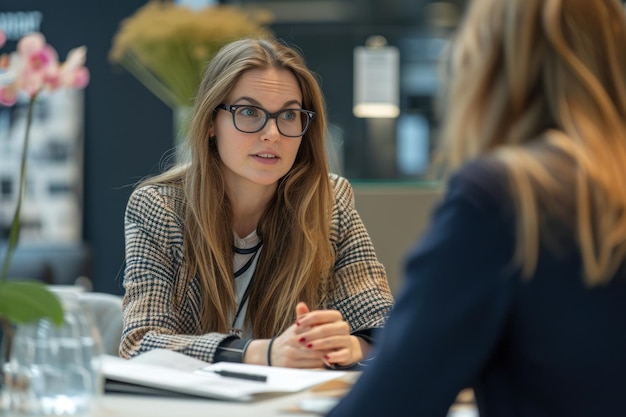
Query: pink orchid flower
[
  {"x": 40, "y": 64},
  {"x": 3, "y": 38},
  {"x": 73, "y": 72},
  {"x": 35, "y": 67},
  {"x": 32, "y": 68}
]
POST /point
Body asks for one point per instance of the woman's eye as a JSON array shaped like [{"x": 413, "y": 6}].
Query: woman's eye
[
  {"x": 248, "y": 111},
  {"x": 289, "y": 115}
]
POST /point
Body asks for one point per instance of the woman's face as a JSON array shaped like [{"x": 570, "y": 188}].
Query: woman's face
[{"x": 261, "y": 158}]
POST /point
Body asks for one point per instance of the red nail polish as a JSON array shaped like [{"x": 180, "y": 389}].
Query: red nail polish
[
  {"x": 297, "y": 323},
  {"x": 302, "y": 340},
  {"x": 326, "y": 357},
  {"x": 310, "y": 345}
]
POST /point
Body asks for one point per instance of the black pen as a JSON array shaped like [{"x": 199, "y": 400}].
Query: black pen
[{"x": 241, "y": 375}]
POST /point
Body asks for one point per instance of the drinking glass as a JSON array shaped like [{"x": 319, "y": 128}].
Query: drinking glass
[{"x": 55, "y": 370}]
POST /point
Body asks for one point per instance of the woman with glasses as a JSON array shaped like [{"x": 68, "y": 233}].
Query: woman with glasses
[
  {"x": 518, "y": 289},
  {"x": 253, "y": 252}
]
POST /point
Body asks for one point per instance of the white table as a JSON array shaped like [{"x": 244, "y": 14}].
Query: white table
[
  {"x": 123, "y": 405},
  {"x": 282, "y": 405}
]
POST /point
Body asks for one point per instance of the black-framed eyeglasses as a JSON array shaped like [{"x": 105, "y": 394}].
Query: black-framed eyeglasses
[{"x": 247, "y": 118}]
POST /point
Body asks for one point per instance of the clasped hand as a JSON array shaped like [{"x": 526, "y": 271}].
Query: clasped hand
[{"x": 316, "y": 339}]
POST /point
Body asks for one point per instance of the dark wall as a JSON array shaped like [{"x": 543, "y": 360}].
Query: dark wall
[
  {"x": 127, "y": 132},
  {"x": 127, "y": 129}
]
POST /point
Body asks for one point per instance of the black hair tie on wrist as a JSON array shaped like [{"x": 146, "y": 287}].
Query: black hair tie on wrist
[{"x": 269, "y": 351}]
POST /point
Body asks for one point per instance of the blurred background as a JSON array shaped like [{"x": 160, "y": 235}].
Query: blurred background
[{"x": 121, "y": 132}]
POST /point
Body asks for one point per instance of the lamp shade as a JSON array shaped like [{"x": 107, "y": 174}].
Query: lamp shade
[{"x": 376, "y": 81}]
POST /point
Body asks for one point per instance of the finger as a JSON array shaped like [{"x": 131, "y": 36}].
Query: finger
[
  {"x": 301, "y": 309},
  {"x": 317, "y": 317},
  {"x": 298, "y": 357},
  {"x": 338, "y": 328},
  {"x": 339, "y": 357},
  {"x": 327, "y": 362},
  {"x": 333, "y": 343}
]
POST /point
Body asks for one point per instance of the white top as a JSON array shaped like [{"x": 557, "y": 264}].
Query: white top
[{"x": 242, "y": 282}]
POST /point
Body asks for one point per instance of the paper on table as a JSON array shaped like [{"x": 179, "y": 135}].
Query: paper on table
[
  {"x": 175, "y": 372},
  {"x": 278, "y": 379}
]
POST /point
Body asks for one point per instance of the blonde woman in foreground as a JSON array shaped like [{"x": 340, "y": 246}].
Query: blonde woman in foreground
[{"x": 518, "y": 289}]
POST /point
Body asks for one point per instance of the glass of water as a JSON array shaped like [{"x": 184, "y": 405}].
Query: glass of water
[{"x": 55, "y": 370}]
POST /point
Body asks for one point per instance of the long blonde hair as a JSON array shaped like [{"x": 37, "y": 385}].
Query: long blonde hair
[
  {"x": 297, "y": 258},
  {"x": 541, "y": 86}
]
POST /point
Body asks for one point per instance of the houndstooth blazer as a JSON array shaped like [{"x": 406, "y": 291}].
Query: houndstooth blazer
[{"x": 162, "y": 304}]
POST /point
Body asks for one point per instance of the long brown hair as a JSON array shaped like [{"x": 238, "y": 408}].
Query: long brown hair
[
  {"x": 297, "y": 258},
  {"x": 541, "y": 86}
]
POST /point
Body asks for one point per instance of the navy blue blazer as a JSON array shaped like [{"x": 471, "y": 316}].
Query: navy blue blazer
[{"x": 545, "y": 346}]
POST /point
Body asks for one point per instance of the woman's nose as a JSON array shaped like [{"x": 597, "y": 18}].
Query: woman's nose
[{"x": 270, "y": 132}]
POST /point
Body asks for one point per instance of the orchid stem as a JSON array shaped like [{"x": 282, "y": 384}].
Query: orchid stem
[{"x": 14, "y": 234}]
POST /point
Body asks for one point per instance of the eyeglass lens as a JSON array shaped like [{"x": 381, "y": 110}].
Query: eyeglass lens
[{"x": 290, "y": 122}]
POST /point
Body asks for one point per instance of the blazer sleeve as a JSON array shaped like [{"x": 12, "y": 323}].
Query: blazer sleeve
[
  {"x": 360, "y": 288},
  {"x": 161, "y": 303}
]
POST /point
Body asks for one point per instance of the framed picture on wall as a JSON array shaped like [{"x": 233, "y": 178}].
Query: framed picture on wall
[{"x": 53, "y": 201}]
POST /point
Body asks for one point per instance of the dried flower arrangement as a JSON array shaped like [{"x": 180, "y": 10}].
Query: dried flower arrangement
[{"x": 166, "y": 46}]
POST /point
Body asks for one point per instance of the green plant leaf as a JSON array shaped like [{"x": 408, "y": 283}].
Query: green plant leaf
[{"x": 24, "y": 301}]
